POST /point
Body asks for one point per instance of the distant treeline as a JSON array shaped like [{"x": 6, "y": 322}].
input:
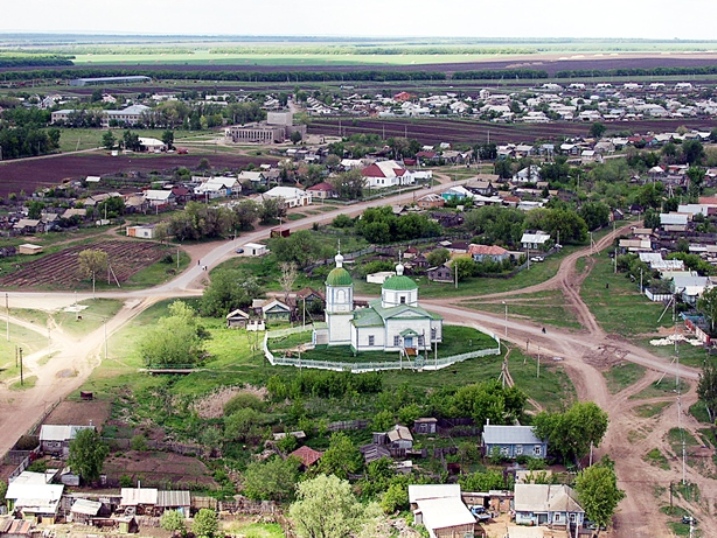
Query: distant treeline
[
  {"x": 638, "y": 72},
  {"x": 369, "y": 50},
  {"x": 240, "y": 76},
  {"x": 499, "y": 74},
  {"x": 34, "y": 61}
]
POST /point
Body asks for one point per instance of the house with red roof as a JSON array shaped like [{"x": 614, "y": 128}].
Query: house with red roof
[
  {"x": 402, "y": 97},
  {"x": 322, "y": 191},
  {"x": 307, "y": 456},
  {"x": 384, "y": 174},
  {"x": 482, "y": 253}
]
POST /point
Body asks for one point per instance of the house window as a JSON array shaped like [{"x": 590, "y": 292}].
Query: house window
[
  {"x": 371, "y": 340},
  {"x": 572, "y": 518},
  {"x": 396, "y": 341},
  {"x": 538, "y": 450},
  {"x": 402, "y": 300},
  {"x": 420, "y": 341},
  {"x": 504, "y": 451},
  {"x": 519, "y": 450},
  {"x": 433, "y": 334}
]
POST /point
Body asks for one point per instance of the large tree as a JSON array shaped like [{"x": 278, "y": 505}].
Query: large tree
[
  {"x": 707, "y": 389},
  {"x": 271, "y": 480},
  {"x": 707, "y": 304},
  {"x": 174, "y": 340},
  {"x": 92, "y": 262},
  {"x": 572, "y": 432},
  {"x": 598, "y": 493},
  {"x": 342, "y": 458},
  {"x": 87, "y": 454},
  {"x": 327, "y": 508}
]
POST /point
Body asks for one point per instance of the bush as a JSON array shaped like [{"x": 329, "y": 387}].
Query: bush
[
  {"x": 242, "y": 401},
  {"x": 138, "y": 443},
  {"x": 126, "y": 481}
]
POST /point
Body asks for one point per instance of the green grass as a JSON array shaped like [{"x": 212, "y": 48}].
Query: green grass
[
  {"x": 619, "y": 309},
  {"x": 27, "y": 383},
  {"x": 688, "y": 354},
  {"x": 91, "y": 318},
  {"x": 621, "y": 376},
  {"x": 545, "y": 307},
  {"x": 158, "y": 273},
  {"x": 658, "y": 390},
  {"x": 650, "y": 410},
  {"x": 675, "y": 437},
  {"x": 256, "y": 530},
  {"x": 72, "y": 139},
  {"x": 699, "y": 411},
  {"x": 656, "y": 458},
  {"x": 295, "y": 216}
]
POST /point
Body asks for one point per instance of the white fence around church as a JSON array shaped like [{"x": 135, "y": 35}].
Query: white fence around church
[{"x": 362, "y": 367}]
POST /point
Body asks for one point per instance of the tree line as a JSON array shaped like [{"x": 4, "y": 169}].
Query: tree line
[
  {"x": 35, "y": 61},
  {"x": 23, "y": 133}
]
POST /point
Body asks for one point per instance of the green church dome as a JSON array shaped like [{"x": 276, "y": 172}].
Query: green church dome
[
  {"x": 339, "y": 277},
  {"x": 399, "y": 283}
]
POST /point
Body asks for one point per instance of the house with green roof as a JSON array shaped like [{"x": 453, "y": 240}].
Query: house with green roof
[{"x": 395, "y": 322}]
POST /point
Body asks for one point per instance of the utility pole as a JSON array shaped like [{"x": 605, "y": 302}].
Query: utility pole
[
  {"x": 22, "y": 380},
  {"x": 506, "y": 318},
  {"x": 538, "y": 365},
  {"x": 177, "y": 258},
  {"x": 104, "y": 322},
  {"x": 7, "y": 323},
  {"x": 77, "y": 311}
]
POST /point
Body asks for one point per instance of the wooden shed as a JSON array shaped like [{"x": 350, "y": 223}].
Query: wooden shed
[
  {"x": 29, "y": 248},
  {"x": 237, "y": 319}
]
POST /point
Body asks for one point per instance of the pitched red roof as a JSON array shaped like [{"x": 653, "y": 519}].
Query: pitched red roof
[
  {"x": 372, "y": 171},
  {"x": 486, "y": 250},
  {"x": 307, "y": 455},
  {"x": 323, "y": 186}
]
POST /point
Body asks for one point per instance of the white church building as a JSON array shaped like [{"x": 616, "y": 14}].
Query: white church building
[{"x": 395, "y": 322}]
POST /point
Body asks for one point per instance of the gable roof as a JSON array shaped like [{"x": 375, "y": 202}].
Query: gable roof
[
  {"x": 323, "y": 186},
  {"x": 135, "y": 496},
  {"x": 238, "y": 313},
  {"x": 545, "y": 498},
  {"x": 52, "y": 432},
  {"x": 509, "y": 435},
  {"x": 444, "y": 512},
  {"x": 384, "y": 169},
  {"x": 486, "y": 250},
  {"x": 399, "y": 433},
  {"x": 417, "y": 492}
]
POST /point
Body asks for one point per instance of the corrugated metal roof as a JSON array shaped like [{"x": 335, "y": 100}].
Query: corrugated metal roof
[
  {"x": 135, "y": 496},
  {"x": 510, "y": 435},
  {"x": 86, "y": 507},
  {"x": 545, "y": 498},
  {"x": 52, "y": 432},
  {"x": 173, "y": 498},
  {"x": 417, "y": 492},
  {"x": 444, "y": 512}
]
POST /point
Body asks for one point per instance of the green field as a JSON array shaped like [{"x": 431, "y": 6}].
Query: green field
[
  {"x": 619, "y": 308},
  {"x": 545, "y": 308},
  {"x": 621, "y": 376},
  {"x": 78, "y": 139}
]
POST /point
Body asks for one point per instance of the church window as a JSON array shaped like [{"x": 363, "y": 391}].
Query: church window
[
  {"x": 420, "y": 341},
  {"x": 371, "y": 340},
  {"x": 433, "y": 333},
  {"x": 341, "y": 296},
  {"x": 396, "y": 341},
  {"x": 403, "y": 299}
]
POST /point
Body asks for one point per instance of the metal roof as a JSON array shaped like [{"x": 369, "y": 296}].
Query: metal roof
[
  {"x": 86, "y": 507},
  {"x": 444, "y": 512},
  {"x": 173, "y": 498},
  {"x": 418, "y": 492},
  {"x": 510, "y": 435},
  {"x": 51, "y": 432},
  {"x": 135, "y": 496},
  {"x": 545, "y": 498}
]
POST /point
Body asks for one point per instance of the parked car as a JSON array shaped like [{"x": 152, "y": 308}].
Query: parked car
[
  {"x": 689, "y": 520},
  {"x": 240, "y": 251},
  {"x": 481, "y": 514},
  {"x": 537, "y": 259}
]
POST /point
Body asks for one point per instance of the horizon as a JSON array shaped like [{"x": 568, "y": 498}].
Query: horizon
[{"x": 612, "y": 19}]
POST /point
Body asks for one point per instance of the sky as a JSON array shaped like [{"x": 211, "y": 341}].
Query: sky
[{"x": 647, "y": 19}]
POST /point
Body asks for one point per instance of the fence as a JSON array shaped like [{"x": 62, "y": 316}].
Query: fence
[
  {"x": 348, "y": 425},
  {"x": 362, "y": 367},
  {"x": 657, "y": 297}
]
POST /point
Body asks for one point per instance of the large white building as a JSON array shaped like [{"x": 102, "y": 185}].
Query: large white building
[
  {"x": 385, "y": 174},
  {"x": 395, "y": 322}
]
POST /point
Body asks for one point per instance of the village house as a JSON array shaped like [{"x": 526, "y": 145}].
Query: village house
[
  {"x": 512, "y": 441},
  {"x": 425, "y": 426},
  {"x": 56, "y": 439},
  {"x": 237, "y": 319},
  {"x": 482, "y": 253},
  {"x": 322, "y": 191},
  {"x": 547, "y": 504},
  {"x": 440, "y": 509},
  {"x": 307, "y": 456},
  {"x": 383, "y": 174},
  {"x": 441, "y": 273},
  {"x": 142, "y": 231},
  {"x": 32, "y": 496},
  {"x": 535, "y": 240},
  {"x": 290, "y": 196}
]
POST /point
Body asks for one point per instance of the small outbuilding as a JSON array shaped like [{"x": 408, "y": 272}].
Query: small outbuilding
[
  {"x": 29, "y": 248},
  {"x": 237, "y": 319},
  {"x": 426, "y": 426},
  {"x": 254, "y": 249}
]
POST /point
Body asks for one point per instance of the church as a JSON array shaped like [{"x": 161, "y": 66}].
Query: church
[{"x": 395, "y": 322}]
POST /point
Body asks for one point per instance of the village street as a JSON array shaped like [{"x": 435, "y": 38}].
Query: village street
[{"x": 578, "y": 350}]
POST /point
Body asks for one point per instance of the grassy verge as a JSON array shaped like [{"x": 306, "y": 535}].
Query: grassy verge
[
  {"x": 545, "y": 307},
  {"x": 621, "y": 376},
  {"x": 656, "y": 458},
  {"x": 27, "y": 383},
  {"x": 619, "y": 308},
  {"x": 667, "y": 387},
  {"x": 157, "y": 273},
  {"x": 650, "y": 410},
  {"x": 688, "y": 354},
  {"x": 90, "y": 319},
  {"x": 675, "y": 437}
]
